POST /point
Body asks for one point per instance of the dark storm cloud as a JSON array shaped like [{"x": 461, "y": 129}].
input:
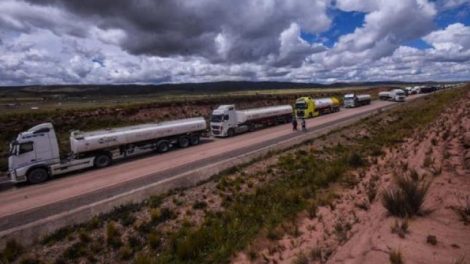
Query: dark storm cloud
[{"x": 186, "y": 28}]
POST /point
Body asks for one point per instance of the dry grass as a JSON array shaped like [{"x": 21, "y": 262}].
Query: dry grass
[
  {"x": 406, "y": 197},
  {"x": 395, "y": 257}
]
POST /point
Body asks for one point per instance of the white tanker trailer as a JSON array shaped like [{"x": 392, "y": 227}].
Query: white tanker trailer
[
  {"x": 34, "y": 155},
  {"x": 353, "y": 100},
  {"x": 226, "y": 121}
]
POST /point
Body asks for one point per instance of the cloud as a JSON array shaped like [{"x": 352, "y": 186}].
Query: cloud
[
  {"x": 121, "y": 41},
  {"x": 454, "y": 37},
  {"x": 387, "y": 25},
  {"x": 293, "y": 49},
  {"x": 449, "y": 4},
  {"x": 196, "y": 28}
]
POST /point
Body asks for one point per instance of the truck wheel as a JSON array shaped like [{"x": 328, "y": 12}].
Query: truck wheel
[
  {"x": 195, "y": 139},
  {"x": 163, "y": 147},
  {"x": 183, "y": 142},
  {"x": 37, "y": 175},
  {"x": 230, "y": 132},
  {"x": 102, "y": 160}
]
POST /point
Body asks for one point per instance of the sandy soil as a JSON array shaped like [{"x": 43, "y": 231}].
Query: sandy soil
[{"x": 356, "y": 228}]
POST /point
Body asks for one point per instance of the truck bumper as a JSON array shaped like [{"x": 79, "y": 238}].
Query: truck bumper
[{"x": 15, "y": 178}]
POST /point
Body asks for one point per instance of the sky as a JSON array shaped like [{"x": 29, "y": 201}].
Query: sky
[{"x": 176, "y": 41}]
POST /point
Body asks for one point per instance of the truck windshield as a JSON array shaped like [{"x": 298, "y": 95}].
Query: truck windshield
[
  {"x": 300, "y": 106},
  {"x": 217, "y": 118}
]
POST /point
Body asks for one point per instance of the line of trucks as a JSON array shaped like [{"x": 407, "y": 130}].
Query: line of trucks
[
  {"x": 35, "y": 156},
  {"x": 400, "y": 94}
]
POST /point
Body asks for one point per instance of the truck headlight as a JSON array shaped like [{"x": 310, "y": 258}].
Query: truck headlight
[{"x": 12, "y": 174}]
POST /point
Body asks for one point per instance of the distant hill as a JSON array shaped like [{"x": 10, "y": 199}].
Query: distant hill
[{"x": 135, "y": 89}]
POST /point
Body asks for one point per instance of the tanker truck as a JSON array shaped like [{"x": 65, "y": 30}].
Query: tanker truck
[
  {"x": 306, "y": 107},
  {"x": 353, "y": 100},
  {"x": 226, "y": 121},
  {"x": 396, "y": 95},
  {"x": 35, "y": 157}
]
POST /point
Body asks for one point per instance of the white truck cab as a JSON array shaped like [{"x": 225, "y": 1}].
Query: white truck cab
[
  {"x": 398, "y": 95},
  {"x": 33, "y": 152},
  {"x": 224, "y": 121}
]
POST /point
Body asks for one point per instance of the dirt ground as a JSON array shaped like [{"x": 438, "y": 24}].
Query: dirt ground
[{"x": 357, "y": 228}]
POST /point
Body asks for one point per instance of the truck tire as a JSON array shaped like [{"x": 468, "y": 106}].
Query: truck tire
[
  {"x": 163, "y": 146},
  {"x": 102, "y": 160},
  {"x": 37, "y": 175},
  {"x": 183, "y": 142},
  {"x": 230, "y": 132},
  {"x": 195, "y": 139}
]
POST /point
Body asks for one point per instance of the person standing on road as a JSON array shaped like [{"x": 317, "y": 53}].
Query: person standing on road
[
  {"x": 304, "y": 128},
  {"x": 294, "y": 123}
]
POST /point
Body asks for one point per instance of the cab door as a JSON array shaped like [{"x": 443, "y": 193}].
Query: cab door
[{"x": 26, "y": 153}]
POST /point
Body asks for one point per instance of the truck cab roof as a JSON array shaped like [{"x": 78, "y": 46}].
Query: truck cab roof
[
  {"x": 225, "y": 107},
  {"x": 41, "y": 128}
]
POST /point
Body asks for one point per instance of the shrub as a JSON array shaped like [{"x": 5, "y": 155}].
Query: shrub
[
  {"x": 428, "y": 161},
  {"x": 83, "y": 236},
  {"x": 144, "y": 259},
  {"x": 161, "y": 215},
  {"x": 312, "y": 210},
  {"x": 364, "y": 205},
  {"x": 135, "y": 242},
  {"x": 154, "y": 240},
  {"x": 406, "y": 198},
  {"x": 123, "y": 213},
  {"x": 113, "y": 237},
  {"x": 273, "y": 234},
  {"x": 58, "y": 235},
  {"x": 430, "y": 239},
  {"x": 395, "y": 257},
  {"x": 125, "y": 253},
  {"x": 341, "y": 230},
  {"x": 355, "y": 160},
  {"x": 200, "y": 205},
  {"x": 301, "y": 259},
  {"x": 155, "y": 201},
  {"x": 252, "y": 254},
  {"x": 12, "y": 251},
  {"x": 30, "y": 260},
  {"x": 316, "y": 254},
  {"x": 400, "y": 228},
  {"x": 463, "y": 211},
  {"x": 75, "y": 251}
]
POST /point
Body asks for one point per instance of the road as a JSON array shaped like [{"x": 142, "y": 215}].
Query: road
[{"x": 28, "y": 203}]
